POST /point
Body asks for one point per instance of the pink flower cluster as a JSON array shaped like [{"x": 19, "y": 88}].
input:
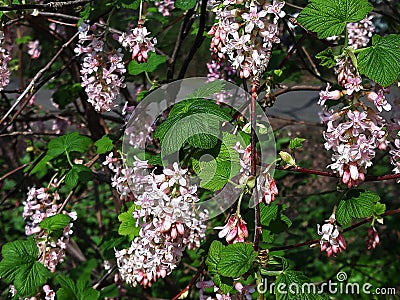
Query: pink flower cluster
[
  {"x": 165, "y": 7},
  {"x": 5, "y": 57},
  {"x": 34, "y": 49},
  {"x": 245, "y": 291},
  {"x": 234, "y": 231},
  {"x": 360, "y": 33},
  {"x": 332, "y": 240},
  {"x": 266, "y": 186},
  {"x": 355, "y": 131},
  {"x": 49, "y": 294},
  {"x": 373, "y": 238},
  {"x": 168, "y": 220},
  {"x": 138, "y": 43},
  {"x": 39, "y": 205},
  {"x": 102, "y": 69},
  {"x": 245, "y": 33}
]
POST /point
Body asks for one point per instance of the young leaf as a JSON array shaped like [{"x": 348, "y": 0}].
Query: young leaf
[
  {"x": 128, "y": 223},
  {"x": 329, "y": 17},
  {"x": 104, "y": 145},
  {"x": 358, "y": 204},
  {"x": 327, "y": 58},
  {"x": 154, "y": 60},
  {"x": 380, "y": 62},
  {"x": 296, "y": 143},
  {"x": 379, "y": 208},
  {"x": 20, "y": 266},
  {"x": 236, "y": 259},
  {"x": 55, "y": 223},
  {"x": 185, "y": 4}
]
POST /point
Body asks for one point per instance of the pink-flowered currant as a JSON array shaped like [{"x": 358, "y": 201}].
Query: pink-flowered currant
[{"x": 245, "y": 33}]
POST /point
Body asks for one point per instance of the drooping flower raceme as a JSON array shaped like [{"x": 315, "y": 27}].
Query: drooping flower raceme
[
  {"x": 332, "y": 240},
  {"x": 356, "y": 130},
  {"x": 5, "y": 58},
  {"x": 39, "y": 205},
  {"x": 138, "y": 42},
  {"x": 167, "y": 217},
  {"x": 245, "y": 33},
  {"x": 102, "y": 69}
]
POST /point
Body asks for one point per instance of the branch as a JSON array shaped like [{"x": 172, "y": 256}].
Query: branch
[
  {"x": 30, "y": 89},
  {"x": 191, "y": 283},
  {"x": 356, "y": 225},
  {"x": 198, "y": 40},
  {"x": 50, "y": 5},
  {"x": 257, "y": 224},
  {"x": 331, "y": 174}
]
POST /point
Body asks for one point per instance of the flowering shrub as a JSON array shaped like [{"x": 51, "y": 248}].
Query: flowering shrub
[{"x": 123, "y": 177}]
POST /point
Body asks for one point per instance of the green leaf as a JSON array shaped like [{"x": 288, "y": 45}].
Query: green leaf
[
  {"x": 225, "y": 284},
  {"x": 208, "y": 89},
  {"x": 184, "y": 4},
  {"x": 55, "y": 223},
  {"x": 213, "y": 256},
  {"x": 294, "y": 285},
  {"x": 104, "y": 145},
  {"x": 329, "y": 17},
  {"x": 82, "y": 290},
  {"x": 154, "y": 60},
  {"x": 128, "y": 223},
  {"x": 380, "y": 62},
  {"x": 20, "y": 266},
  {"x": 296, "y": 143},
  {"x": 77, "y": 174},
  {"x": 327, "y": 58},
  {"x": 358, "y": 204},
  {"x": 268, "y": 213},
  {"x": 272, "y": 217},
  {"x": 71, "y": 142},
  {"x": 236, "y": 259},
  {"x": 214, "y": 174}
]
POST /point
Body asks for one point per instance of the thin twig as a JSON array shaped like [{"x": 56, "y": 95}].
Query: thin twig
[
  {"x": 257, "y": 224},
  {"x": 198, "y": 40},
  {"x": 366, "y": 220},
  {"x": 191, "y": 283},
  {"x": 50, "y": 5},
  {"x": 29, "y": 90}
]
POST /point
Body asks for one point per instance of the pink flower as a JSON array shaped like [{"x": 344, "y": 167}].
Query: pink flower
[
  {"x": 379, "y": 100},
  {"x": 34, "y": 49},
  {"x": 275, "y": 8},
  {"x": 373, "y": 238},
  {"x": 252, "y": 18},
  {"x": 268, "y": 189},
  {"x": 353, "y": 84},
  {"x": 332, "y": 240},
  {"x": 328, "y": 95},
  {"x": 234, "y": 231}
]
